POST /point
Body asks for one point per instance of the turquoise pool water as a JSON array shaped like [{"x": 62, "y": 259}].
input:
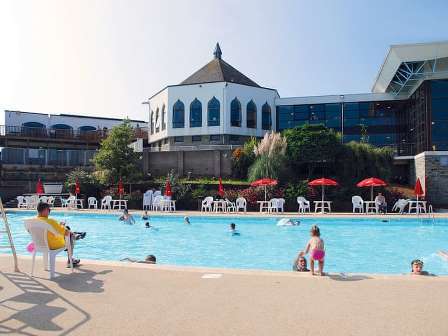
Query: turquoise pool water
[{"x": 364, "y": 245}]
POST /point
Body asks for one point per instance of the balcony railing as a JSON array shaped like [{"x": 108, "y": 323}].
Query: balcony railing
[
  {"x": 42, "y": 133},
  {"x": 187, "y": 148}
]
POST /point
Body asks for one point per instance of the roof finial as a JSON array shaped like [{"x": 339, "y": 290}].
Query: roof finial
[{"x": 217, "y": 51}]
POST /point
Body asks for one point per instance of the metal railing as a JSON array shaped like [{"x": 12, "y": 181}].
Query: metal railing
[
  {"x": 46, "y": 157},
  {"x": 175, "y": 148},
  {"x": 49, "y": 133}
]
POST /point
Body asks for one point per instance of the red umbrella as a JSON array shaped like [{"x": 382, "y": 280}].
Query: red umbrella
[
  {"x": 220, "y": 188},
  {"x": 77, "y": 187},
  {"x": 371, "y": 182},
  {"x": 323, "y": 182},
  {"x": 120, "y": 187},
  {"x": 168, "y": 191},
  {"x": 418, "y": 190},
  {"x": 39, "y": 187},
  {"x": 264, "y": 182}
]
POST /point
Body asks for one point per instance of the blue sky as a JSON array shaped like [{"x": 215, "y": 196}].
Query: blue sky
[{"x": 105, "y": 57}]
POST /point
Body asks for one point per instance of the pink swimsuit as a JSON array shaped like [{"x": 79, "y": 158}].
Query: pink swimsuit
[{"x": 317, "y": 254}]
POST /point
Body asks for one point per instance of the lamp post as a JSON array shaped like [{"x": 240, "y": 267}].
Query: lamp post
[{"x": 342, "y": 117}]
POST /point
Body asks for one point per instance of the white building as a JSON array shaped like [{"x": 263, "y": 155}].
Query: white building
[{"x": 217, "y": 105}]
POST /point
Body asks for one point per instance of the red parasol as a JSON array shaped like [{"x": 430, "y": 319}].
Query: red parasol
[
  {"x": 168, "y": 191},
  {"x": 418, "y": 190},
  {"x": 39, "y": 187},
  {"x": 323, "y": 182},
  {"x": 120, "y": 187},
  {"x": 220, "y": 188},
  {"x": 371, "y": 182},
  {"x": 264, "y": 182},
  {"x": 77, "y": 187}
]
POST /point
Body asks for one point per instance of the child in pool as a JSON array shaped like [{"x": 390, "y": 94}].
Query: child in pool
[
  {"x": 145, "y": 216},
  {"x": 233, "y": 230},
  {"x": 417, "y": 268},
  {"x": 316, "y": 248}
]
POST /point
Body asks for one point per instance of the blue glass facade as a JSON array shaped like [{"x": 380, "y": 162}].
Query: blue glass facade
[{"x": 439, "y": 114}]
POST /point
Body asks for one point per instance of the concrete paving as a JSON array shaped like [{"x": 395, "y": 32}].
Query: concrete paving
[{"x": 110, "y": 298}]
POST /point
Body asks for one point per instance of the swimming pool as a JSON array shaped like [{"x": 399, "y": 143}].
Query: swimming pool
[{"x": 355, "y": 245}]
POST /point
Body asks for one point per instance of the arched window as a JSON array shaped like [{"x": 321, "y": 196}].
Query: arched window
[
  {"x": 213, "y": 112},
  {"x": 251, "y": 113},
  {"x": 85, "y": 129},
  {"x": 32, "y": 128},
  {"x": 157, "y": 121},
  {"x": 178, "y": 115},
  {"x": 266, "y": 119},
  {"x": 235, "y": 113},
  {"x": 163, "y": 118},
  {"x": 62, "y": 131},
  {"x": 151, "y": 121},
  {"x": 61, "y": 127},
  {"x": 195, "y": 113}
]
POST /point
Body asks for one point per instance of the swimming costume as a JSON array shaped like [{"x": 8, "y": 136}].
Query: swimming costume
[{"x": 317, "y": 254}]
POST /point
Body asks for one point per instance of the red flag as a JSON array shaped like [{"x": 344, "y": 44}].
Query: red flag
[
  {"x": 220, "y": 188},
  {"x": 168, "y": 191},
  {"x": 77, "y": 187},
  {"x": 39, "y": 187},
  {"x": 120, "y": 187}
]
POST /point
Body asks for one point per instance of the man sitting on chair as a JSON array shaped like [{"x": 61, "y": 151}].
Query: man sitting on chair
[
  {"x": 380, "y": 202},
  {"x": 57, "y": 241}
]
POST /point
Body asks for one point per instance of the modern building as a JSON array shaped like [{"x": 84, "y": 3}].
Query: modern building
[{"x": 194, "y": 125}]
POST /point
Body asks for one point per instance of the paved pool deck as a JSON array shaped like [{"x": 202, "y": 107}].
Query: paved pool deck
[{"x": 113, "y": 298}]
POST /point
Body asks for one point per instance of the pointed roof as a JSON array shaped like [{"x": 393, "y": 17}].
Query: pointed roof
[{"x": 217, "y": 70}]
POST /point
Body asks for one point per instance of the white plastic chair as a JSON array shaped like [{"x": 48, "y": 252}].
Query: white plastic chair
[
  {"x": 230, "y": 206},
  {"x": 304, "y": 204},
  {"x": 273, "y": 205},
  {"x": 281, "y": 204},
  {"x": 400, "y": 205},
  {"x": 156, "y": 193},
  {"x": 358, "y": 204},
  {"x": 38, "y": 230},
  {"x": 71, "y": 202},
  {"x": 106, "y": 202},
  {"x": 147, "y": 199},
  {"x": 50, "y": 201},
  {"x": 241, "y": 203},
  {"x": 21, "y": 202},
  {"x": 207, "y": 203},
  {"x": 43, "y": 199},
  {"x": 157, "y": 203},
  {"x": 32, "y": 201},
  {"x": 92, "y": 202}
]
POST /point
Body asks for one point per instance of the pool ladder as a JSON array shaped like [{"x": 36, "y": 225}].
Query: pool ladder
[
  {"x": 431, "y": 214},
  {"x": 6, "y": 229}
]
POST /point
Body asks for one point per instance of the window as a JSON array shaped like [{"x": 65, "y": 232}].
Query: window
[
  {"x": 178, "y": 115},
  {"x": 301, "y": 112},
  {"x": 195, "y": 138},
  {"x": 213, "y": 112},
  {"x": 234, "y": 138},
  {"x": 151, "y": 122},
  {"x": 251, "y": 112},
  {"x": 266, "y": 121},
  {"x": 163, "y": 118},
  {"x": 157, "y": 122},
  {"x": 195, "y": 113},
  {"x": 235, "y": 113},
  {"x": 178, "y": 139},
  {"x": 215, "y": 137}
]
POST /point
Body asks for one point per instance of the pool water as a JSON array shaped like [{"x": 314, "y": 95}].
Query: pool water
[{"x": 355, "y": 245}]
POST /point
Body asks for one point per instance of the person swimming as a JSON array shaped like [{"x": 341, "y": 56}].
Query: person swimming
[
  {"x": 149, "y": 226},
  {"x": 233, "y": 230},
  {"x": 145, "y": 216},
  {"x": 127, "y": 217},
  {"x": 150, "y": 259},
  {"x": 288, "y": 222},
  {"x": 187, "y": 220}
]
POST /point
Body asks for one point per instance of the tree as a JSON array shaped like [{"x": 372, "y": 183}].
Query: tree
[
  {"x": 115, "y": 159},
  {"x": 310, "y": 146},
  {"x": 242, "y": 158},
  {"x": 270, "y": 155}
]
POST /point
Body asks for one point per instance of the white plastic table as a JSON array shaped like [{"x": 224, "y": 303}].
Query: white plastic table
[
  {"x": 119, "y": 203},
  {"x": 322, "y": 206},
  {"x": 418, "y": 206},
  {"x": 370, "y": 206},
  {"x": 168, "y": 205},
  {"x": 219, "y": 205},
  {"x": 264, "y": 205}
]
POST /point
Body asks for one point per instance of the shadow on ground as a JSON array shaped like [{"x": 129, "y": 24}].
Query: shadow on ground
[
  {"x": 37, "y": 308},
  {"x": 347, "y": 277}
]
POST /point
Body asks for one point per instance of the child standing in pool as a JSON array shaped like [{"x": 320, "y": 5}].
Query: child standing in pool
[{"x": 316, "y": 248}]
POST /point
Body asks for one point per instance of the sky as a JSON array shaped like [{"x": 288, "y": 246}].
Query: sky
[{"x": 105, "y": 57}]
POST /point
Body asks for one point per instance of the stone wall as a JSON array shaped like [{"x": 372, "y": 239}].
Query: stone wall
[{"x": 195, "y": 163}]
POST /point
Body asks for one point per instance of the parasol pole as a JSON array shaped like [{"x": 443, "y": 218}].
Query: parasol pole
[
  {"x": 323, "y": 193},
  {"x": 371, "y": 193},
  {"x": 265, "y": 193}
]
